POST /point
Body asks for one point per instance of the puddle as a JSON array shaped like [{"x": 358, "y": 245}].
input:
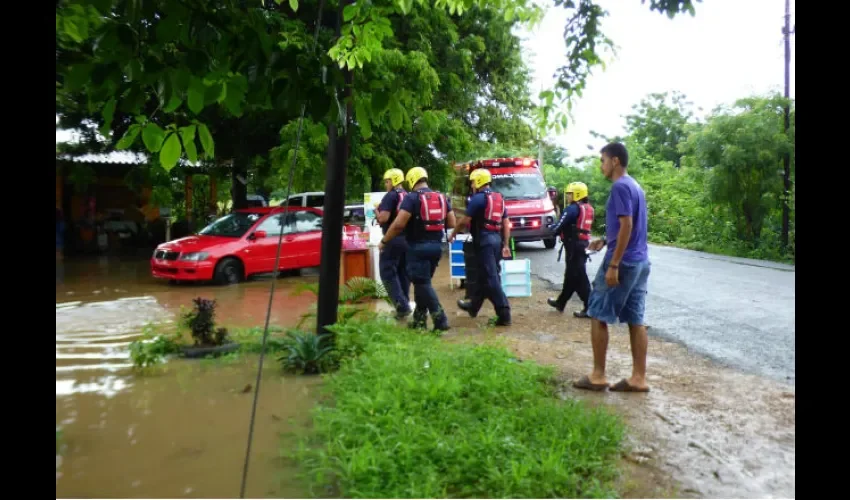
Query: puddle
[{"x": 182, "y": 431}]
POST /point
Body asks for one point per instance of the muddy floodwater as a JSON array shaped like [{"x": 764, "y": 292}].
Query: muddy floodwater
[{"x": 182, "y": 431}]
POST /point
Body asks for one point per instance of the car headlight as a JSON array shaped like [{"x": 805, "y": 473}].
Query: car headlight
[
  {"x": 194, "y": 256},
  {"x": 550, "y": 217}
]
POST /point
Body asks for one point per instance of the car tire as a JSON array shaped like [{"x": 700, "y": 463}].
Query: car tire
[
  {"x": 228, "y": 272},
  {"x": 550, "y": 243}
]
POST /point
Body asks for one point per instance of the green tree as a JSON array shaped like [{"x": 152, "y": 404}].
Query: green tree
[
  {"x": 661, "y": 122},
  {"x": 742, "y": 147},
  {"x": 163, "y": 71}
]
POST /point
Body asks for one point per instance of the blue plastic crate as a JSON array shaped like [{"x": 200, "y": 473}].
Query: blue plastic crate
[{"x": 456, "y": 261}]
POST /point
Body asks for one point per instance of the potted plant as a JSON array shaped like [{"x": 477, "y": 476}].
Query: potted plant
[{"x": 208, "y": 340}]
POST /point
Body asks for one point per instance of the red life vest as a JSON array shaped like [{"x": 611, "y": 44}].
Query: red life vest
[
  {"x": 401, "y": 194},
  {"x": 432, "y": 211},
  {"x": 584, "y": 221},
  {"x": 493, "y": 211}
]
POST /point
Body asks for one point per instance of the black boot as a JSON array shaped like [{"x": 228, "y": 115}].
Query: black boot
[
  {"x": 441, "y": 322},
  {"x": 402, "y": 312},
  {"x": 466, "y": 305},
  {"x": 554, "y": 303},
  {"x": 420, "y": 319},
  {"x": 503, "y": 317},
  {"x": 581, "y": 314}
]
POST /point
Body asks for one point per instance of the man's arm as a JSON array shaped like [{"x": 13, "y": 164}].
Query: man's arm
[
  {"x": 387, "y": 202},
  {"x": 506, "y": 231},
  {"x": 398, "y": 226},
  {"x": 451, "y": 221},
  {"x": 458, "y": 225},
  {"x": 473, "y": 205},
  {"x": 623, "y": 236},
  {"x": 568, "y": 216},
  {"x": 622, "y": 208}
]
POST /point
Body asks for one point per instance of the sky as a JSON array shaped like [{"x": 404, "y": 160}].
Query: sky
[{"x": 730, "y": 49}]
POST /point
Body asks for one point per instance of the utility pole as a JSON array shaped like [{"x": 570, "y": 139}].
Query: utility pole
[
  {"x": 335, "y": 173},
  {"x": 786, "y": 209}
]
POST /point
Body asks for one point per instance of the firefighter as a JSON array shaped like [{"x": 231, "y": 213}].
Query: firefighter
[
  {"x": 486, "y": 215},
  {"x": 553, "y": 195},
  {"x": 392, "y": 260},
  {"x": 423, "y": 216},
  {"x": 469, "y": 257},
  {"x": 574, "y": 229}
]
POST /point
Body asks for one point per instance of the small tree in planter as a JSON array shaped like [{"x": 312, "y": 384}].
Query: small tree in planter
[{"x": 207, "y": 338}]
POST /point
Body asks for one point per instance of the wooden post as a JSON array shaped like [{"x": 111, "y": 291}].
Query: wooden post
[
  {"x": 213, "y": 195},
  {"x": 188, "y": 194}
]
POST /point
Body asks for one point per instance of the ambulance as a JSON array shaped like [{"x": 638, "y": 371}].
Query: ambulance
[{"x": 520, "y": 181}]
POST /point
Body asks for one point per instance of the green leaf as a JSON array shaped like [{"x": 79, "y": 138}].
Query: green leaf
[
  {"x": 170, "y": 152},
  {"x": 77, "y": 77},
  {"x": 187, "y": 134},
  {"x": 152, "y": 136},
  {"x": 174, "y": 102},
  {"x": 349, "y": 12},
  {"x": 108, "y": 114},
  {"x": 509, "y": 14},
  {"x": 293, "y": 4},
  {"x": 380, "y": 100},
  {"x": 168, "y": 29},
  {"x": 129, "y": 137},
  {"x": 361, "y": 109},
  {"x": 206, "y": 140},
  {"x": 233, "y": 100},
  {"x": 196, "y": 95},
  {"x": 395, "y": 114}
]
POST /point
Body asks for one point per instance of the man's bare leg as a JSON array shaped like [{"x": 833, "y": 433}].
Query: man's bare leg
[
  {"x": 599, "y": 340},
  {"x": 639, "y": 341}
]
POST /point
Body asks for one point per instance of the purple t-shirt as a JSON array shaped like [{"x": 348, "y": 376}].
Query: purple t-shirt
[{"x": 627, "y": 198}]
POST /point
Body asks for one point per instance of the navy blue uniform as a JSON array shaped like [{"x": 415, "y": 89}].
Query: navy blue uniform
[
  {"x": 423, "y": 256},
  {"x": 488, "y": 247},
  {"x": 575, "y": 273},
  {"x": 392, "y": 261}
]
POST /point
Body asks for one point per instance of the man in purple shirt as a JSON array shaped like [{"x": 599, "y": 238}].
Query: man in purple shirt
[{"x": 619, "y": 289}]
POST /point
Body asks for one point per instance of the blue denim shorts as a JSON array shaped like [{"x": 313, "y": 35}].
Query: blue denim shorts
[{"x": 625, "y": 302}]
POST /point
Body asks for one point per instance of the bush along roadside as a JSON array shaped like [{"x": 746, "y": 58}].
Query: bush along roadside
[{"x": 412, "y": 417}]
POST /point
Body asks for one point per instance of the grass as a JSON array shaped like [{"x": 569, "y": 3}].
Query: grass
[{"x": 414, "y": 417}]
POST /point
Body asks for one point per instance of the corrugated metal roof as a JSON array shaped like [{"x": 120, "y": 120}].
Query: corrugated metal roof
[{"x": 116, "y": 158}]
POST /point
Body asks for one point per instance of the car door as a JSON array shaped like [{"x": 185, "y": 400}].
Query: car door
[
  {"x": 265, "y": 249},
  {"x": 308, "y": 238},
  {"x": 315, "y": 201}
]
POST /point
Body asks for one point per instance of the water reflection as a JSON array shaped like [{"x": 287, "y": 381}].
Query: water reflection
[{"x": 182, "y": 431}]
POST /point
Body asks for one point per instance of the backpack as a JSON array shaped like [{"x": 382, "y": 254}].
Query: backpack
[{"x": 432, "y": 211}]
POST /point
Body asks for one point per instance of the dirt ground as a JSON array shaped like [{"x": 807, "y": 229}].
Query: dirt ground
[{"x": 704, "y": 430}]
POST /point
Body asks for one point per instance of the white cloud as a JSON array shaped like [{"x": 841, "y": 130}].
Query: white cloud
[{"x": 730, "y": 49}]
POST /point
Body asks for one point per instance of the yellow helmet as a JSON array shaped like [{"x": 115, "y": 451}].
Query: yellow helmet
[
  {"x": 480, "y": 177},
  {"x": 579, "y": 190},
  {"x": 415, "y": 175},
  {"x": 394, "y": 175}
]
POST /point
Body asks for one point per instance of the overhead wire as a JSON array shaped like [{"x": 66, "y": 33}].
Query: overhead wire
[{"x": 276, "y": 271}]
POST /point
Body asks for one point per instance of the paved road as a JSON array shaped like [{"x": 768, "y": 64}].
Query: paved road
[{"x": 737, "y": 311}]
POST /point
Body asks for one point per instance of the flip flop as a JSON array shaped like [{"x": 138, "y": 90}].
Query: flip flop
[
  {"x": 623, "y": 386},
  {"x": 587, "y": 385}
]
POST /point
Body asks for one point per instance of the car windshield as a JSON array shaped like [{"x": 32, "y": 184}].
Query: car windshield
[
  {"x": 233, "y": 225},
  {"x": 519, "y": 186},
  {"x": 355, "y": 215}
]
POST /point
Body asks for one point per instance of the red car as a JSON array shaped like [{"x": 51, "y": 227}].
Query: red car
[{"x": 243, "y": 243}]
